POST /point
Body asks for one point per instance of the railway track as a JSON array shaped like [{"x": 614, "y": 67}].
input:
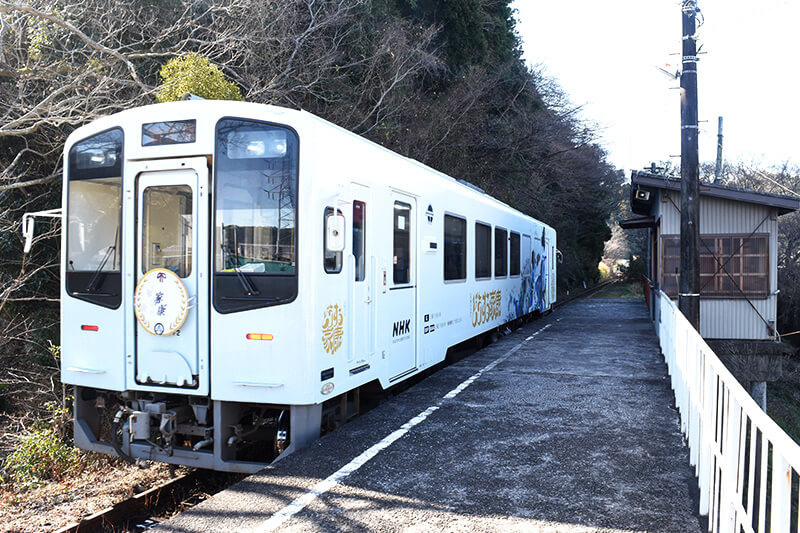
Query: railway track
[
  {"x": 141, "y": 511},
  {"x": 584, "y": 293}
]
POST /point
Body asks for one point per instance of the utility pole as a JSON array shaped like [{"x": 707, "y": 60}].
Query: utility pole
[
  {"x": 689, "y": 284},
  {"x": 718, "y": 169}
]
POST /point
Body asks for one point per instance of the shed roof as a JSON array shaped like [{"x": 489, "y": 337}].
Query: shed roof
[
  {"x": 638, "y": 222},
  {"x": 783, "y": 203}
]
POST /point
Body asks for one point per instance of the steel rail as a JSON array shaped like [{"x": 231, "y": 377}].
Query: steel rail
[{"x": 129, "y": 508}]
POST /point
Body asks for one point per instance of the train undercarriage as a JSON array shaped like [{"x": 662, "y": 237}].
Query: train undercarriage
[
  {"x": 192, "y": 431},
  {"x": 203, "y": 433}
]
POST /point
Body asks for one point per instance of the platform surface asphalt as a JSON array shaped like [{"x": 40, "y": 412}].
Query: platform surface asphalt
[{"x": 572, "y": 430}]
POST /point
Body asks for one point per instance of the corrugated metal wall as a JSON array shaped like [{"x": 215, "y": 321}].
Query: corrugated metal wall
[{"x": 722, "y": 318}]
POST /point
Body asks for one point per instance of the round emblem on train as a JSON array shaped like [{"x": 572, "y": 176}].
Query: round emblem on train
[{"x": 161, "y": 302}]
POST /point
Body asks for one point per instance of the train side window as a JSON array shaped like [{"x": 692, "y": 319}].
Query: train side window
[
  {"x": 500, "y": 253},
  {"x": 332, "y": 260},
  {"x": 455, "y": 248},
  {"x": 402, "y": 244},
  {"x": 359, "y": 238},
  {"x": 515, "y": 255},
  {"x": 483, "y": 251}
]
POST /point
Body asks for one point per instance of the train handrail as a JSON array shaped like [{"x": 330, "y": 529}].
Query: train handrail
[{"x": 743, "y": 460}]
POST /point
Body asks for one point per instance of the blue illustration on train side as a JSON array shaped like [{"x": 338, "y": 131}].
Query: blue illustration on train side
[
  {"x": 539, "y": 273},
  {"x": 539, "y": 283},
  {"x": 527, "y": 286},
  {"x": 525, "y": 298},
  {"x": 514, "y": 307}
]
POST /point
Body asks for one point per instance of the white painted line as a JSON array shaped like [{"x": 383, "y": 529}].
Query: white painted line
[
  {"x": 533, "y": 335},
  {"x": 466, "y": 383},
  {"x": 300, "y": 503},
  {"x": 278, "y": 519}
]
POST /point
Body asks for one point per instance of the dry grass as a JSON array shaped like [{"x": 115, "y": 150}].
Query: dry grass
[{"x": 55, "y": 505}]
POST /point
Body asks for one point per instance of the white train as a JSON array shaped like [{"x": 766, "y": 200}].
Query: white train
[{"x": 234, "y": 273}]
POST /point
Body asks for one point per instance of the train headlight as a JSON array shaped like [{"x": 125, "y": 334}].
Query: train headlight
[{"x": 257, "y": 144}]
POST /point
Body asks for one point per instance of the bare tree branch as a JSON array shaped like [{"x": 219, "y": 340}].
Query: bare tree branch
[{"x": 24, "y": 8}]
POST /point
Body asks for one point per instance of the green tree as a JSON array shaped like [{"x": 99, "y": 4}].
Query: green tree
[
  {"x": 474, "y": 32},
  {"x": 195, "y": 74}
]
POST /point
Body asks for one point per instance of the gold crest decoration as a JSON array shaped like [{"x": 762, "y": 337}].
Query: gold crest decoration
[
  {"x": 160, "y": 302},
  {"x": 332, "y": 329}
]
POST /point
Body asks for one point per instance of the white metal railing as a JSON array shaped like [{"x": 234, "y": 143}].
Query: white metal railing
[{"x": 746, "y": 466}]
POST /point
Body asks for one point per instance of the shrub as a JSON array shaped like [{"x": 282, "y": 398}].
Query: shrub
[
  {"x": 194, "y": 74},
  {"x": 604, "y": 271},
  {"x": 40, "y": 456}
]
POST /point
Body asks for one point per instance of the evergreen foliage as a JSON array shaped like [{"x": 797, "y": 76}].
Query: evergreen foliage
[
  {"x": 194, "y": 74},
  {"x": 474, "y": 32}
]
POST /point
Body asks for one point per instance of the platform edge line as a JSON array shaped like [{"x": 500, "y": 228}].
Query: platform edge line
[{"x": 300, "y": 503}]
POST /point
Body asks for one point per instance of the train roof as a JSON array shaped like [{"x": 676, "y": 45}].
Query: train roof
[{"x": 227, "y": 108}]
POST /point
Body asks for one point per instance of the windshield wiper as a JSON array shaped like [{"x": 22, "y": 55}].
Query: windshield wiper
[
  {"x": 92, "y": 286},
  {"x": 95, "y": 281},
  {"x": 249, "y": 290}
]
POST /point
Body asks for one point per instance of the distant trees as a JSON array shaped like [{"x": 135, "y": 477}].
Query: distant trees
[{"x": 440, "y": 81}]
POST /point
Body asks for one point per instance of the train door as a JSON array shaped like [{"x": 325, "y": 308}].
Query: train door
[
  {"x": 548, "y": 272},
  {"x": 528, "y": 283},
  {"x": 171, "y": 275},
  {"x": 399, "y": 302},
  {"x": 362, "y": 277}
]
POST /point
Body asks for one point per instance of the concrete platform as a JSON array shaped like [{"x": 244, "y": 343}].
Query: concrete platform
[{"x": 567, "y": 425}]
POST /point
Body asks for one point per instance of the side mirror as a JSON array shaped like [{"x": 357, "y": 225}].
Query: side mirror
[
  {"x": 27, "y": 231},
  {"x": 28, "y": 228},
  {"x": 334, "y": 233}
]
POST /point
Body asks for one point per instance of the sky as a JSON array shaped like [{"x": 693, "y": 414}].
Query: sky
[{"x": 605, "y": 54}]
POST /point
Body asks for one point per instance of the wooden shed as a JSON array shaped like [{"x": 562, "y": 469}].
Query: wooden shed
[{"x": 738, "y": 251}]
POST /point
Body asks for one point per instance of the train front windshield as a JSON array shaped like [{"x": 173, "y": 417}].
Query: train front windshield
[
  {"x": 94, "y": 199},
  {"x": 255, "y": 241}
]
